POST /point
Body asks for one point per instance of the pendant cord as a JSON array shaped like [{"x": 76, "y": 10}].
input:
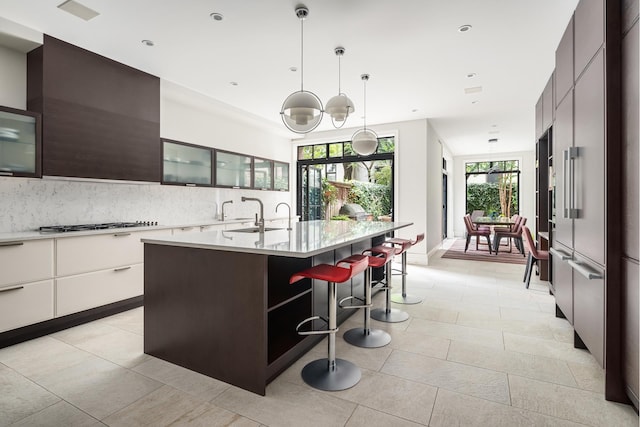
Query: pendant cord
[
  {"x": 339, "y": 74},
  {"x": 365, "y": 104},
  {"x": 301, "y": 54}
]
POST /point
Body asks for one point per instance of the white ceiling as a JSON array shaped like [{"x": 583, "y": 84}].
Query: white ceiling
[{"x": 411, "y": 48}]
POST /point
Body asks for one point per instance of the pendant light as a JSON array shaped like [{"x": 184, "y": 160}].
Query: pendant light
[
  {"x": 364, "y": 141},
  {"x": 340, "y": 106},
  {"x": 302, "y": 111}
]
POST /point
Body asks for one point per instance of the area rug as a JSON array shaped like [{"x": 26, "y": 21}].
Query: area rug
[{"x": 456, "y": 251}]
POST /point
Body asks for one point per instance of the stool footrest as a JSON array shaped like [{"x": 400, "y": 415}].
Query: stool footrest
[
  {"x": 353, "y": 306},
  {"x": 311, "y": 319}
]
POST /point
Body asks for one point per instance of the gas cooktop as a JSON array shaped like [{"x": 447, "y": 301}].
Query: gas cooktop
[{"x": 87, "y": 227}]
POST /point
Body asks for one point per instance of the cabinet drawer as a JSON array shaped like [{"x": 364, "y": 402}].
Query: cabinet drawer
[
  {"x": 90, "y": 253},
  {"x": 84, "y": 291},
  {"x": 26, "y": 261},
  {"x": 22, "y": 305}
]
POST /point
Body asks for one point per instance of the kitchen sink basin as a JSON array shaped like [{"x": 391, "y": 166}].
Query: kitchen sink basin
[{"x": 253, "y": 230}]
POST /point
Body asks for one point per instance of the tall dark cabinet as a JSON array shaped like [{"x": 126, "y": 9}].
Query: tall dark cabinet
[
  {"x": 100, "y": 118},
  {"x": 588, "y": 230}
]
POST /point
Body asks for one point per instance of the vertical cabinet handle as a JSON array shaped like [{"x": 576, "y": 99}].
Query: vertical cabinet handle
[{"x": 569, "y": 183}]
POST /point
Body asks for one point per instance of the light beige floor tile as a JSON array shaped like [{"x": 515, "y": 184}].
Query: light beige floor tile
[
  {"x": 532, "y": 328},
  {"x": 419, "y": 343},
  {"x": 40, "y": 357},
  {"x": 461, "y": 306},
  {"x": 395, "y": 396},
  {"x": 366, "y": 358},
  {"x": 526, "y": 365},
  {"x": 161, "y": 407},
  {"x": 111, "y": 343},
  {"x": 98, "y": 387},
  {"x": 547, "y": 348},
  {"x": 367, "y": 417},
  {"x": 181, "y": 378},
  {"x": 454, "y": 332},
  {"x": 131, "y": 320},
  {"x": 589, "y": 377},
  {"x": 479, "y": 382},
  {"x": 60, "y": 414},
  {"x": 454, "y": 409},
  {"x": 20, "y": 397},
  {"x": 422, "y": 311},
  {"x": 568, "y": 403},
  {"x": 287, "y": 404},
  {"x": 208, "y": 415}
]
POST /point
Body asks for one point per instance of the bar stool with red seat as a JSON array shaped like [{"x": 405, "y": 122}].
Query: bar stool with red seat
[
  {"x": 387, "y": 314},
  {"x": 365, "y": 336},
  {"x": 401, "y": 247},
  {"x": 329, "y": 373}
]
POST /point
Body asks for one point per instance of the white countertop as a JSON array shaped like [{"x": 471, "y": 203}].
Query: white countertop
[
  {"x": 35, "y": 235},
  {"x": 307, "y": 238}
]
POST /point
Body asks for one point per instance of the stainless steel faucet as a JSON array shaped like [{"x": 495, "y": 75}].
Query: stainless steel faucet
[
  {"x": 222, "y": 213},
  {"x": 259, "y": 222},
  {"x": 288, "y": 207}
]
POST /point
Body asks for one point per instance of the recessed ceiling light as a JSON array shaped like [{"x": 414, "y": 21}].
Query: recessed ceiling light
[
  {"x": 464, "y": 28},
  {"x": 414, "y": 110},
  {"x": 494, "y": 126},
  {"x": 293, "y": 69},
  {"x": 233, "y": 83},
  {"x": 471, "y": 75},
  {"x": 148, "y": 42},
  {"x": 493, "y": 140},
  {"x": 475, "y": 89},
  {"x": 216, "y": 16},
  {"x": 474, "y": 102}
]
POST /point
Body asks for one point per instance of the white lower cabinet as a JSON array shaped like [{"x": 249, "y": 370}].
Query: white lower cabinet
[
  {"x": 25, "y": 304},
  {"x": 26, "y": 261},
  {"x": 89, "y": 290}
]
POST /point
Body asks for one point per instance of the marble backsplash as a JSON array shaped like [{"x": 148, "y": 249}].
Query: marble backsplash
[{"x": 26, "y": 203}]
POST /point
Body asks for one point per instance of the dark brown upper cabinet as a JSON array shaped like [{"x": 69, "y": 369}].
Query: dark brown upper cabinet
[
  {"x": 20, "y": 143},
  {"x": 589, "y": 33},
  {"x": 564, "y": 64},
  {"x": 100, "y": 118},
  {"x": 548, "y": 107}
]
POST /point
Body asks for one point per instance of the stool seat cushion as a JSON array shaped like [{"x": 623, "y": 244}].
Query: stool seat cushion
[{"x": 332, "y": 273}]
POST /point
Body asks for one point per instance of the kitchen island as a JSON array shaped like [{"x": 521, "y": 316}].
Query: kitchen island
[{"x": 220, "y": 302}]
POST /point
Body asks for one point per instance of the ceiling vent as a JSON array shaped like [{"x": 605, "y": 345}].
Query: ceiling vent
[
  {"x": 475, "y": 89},
  {"x": 77, "y": 9}
]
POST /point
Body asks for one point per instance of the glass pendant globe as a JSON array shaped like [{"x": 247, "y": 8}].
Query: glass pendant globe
[
  {"x": 339, "y": 107},
  {"x": 301, "y": 111},
  {"x": 364, "y": 142}
]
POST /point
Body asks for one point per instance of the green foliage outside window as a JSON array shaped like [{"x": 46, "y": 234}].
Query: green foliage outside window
[
  {"x": 375, "y": 199},
  {"x": 486, "y": 197}
]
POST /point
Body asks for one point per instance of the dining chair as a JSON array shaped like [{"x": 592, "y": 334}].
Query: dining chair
[
  {"x": 534, "y": 255},
  {"x": 515, "y": 234},
  {"x": 477, "y": 233}
]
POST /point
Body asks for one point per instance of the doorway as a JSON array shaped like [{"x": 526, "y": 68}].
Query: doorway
[{"x": 444, "y": 205}]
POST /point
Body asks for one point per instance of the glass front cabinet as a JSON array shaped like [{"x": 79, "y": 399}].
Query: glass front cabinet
[
  {"x": 233, "y": 170},
  {"x": 20, "y": 143},
  {"x": 280, "y": 176},
  {"x": 262, "y": 174},
  {"x": 186, "y": 164}
]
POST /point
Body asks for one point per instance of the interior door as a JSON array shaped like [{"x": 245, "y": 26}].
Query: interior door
[{"x": 444, "y": 205}]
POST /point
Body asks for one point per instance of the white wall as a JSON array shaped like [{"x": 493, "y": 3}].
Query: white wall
[
  {"x": 185, "y": 116},
  {"x": 13, "y": 78},
  {"x": 434, "y": 189},
  {"x": 527, "y": 184}
]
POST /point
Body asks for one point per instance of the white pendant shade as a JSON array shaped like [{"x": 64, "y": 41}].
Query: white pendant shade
[
  {"x": 364, "y": 142},
  {"x": 301, "y": 111},
  {"x": 339, "y": 107}
]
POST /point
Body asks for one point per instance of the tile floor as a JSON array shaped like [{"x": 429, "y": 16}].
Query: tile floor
[{"x": 480, "y": 350}]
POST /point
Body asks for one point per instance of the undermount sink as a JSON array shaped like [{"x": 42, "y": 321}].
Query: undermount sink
[{"x": 253, "y": 230}]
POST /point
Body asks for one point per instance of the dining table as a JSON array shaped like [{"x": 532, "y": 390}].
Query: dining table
[{"x": 491, "y": 221}]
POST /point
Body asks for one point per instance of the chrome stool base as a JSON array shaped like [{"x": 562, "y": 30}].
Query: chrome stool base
[
  {"x": 318, "y": 375},
  {"x": 405, "y": 299},
  {"x": 391, "y": 315},
  {"x": 360, "y": 338}
]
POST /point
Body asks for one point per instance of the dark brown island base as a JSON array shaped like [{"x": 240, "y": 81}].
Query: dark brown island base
[{"x": 220, "y": 303}]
